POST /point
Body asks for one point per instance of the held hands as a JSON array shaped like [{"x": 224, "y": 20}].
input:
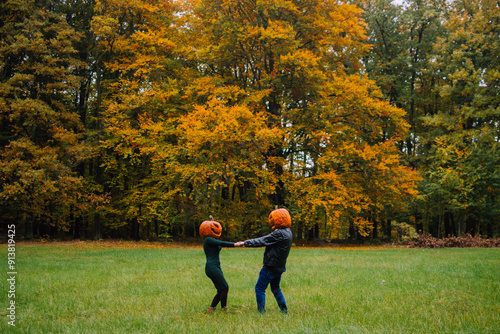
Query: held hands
[{"x": 239, "y": 244}]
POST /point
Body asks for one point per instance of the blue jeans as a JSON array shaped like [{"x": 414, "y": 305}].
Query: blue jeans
[{"x": 267, "y": 277}]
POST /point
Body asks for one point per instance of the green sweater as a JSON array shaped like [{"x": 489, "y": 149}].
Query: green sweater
[{"x": 212, "y": 248}]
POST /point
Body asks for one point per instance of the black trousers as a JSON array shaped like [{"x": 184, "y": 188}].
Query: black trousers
[{"x": 221, "y": 297}]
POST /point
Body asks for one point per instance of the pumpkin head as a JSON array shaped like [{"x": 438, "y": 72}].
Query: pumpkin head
[
  {"x": 280, "y": 218},
  {"x": 210, "y": 228}
]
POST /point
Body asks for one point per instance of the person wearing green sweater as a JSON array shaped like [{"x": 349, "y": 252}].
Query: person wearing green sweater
[{"x": 211, "y": 231}]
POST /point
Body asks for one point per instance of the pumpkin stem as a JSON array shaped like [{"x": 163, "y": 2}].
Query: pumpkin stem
[
  {"x": 276, "y": 207},
  {"x": 211, "y": 218}
]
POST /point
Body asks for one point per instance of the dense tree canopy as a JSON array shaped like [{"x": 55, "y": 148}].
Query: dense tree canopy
[
  {"x": 450, "y": 92},
  {"x": 140, "y": 119},
  {"x": 42, "y": 136}
]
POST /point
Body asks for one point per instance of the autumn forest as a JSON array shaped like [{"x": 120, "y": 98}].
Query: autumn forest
[{"x": 139, "y": 119}]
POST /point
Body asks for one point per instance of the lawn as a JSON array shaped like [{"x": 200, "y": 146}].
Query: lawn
[{"x": 87, "y": 288}]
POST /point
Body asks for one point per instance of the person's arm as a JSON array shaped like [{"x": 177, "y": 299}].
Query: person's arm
[
  {"x": 215, "y": 242},
  {"x": 266, "y": 240}
]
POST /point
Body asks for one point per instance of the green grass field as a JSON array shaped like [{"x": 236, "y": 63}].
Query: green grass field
[{"x": 63, "y": 289}]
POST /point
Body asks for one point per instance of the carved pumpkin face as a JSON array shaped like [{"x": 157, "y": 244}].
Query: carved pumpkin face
[
  {"x": 210, "y": 228},
  {"x": 280, "y": 218}
]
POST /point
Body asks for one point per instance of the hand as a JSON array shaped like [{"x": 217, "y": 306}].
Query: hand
[{"x": 239, "y": 244}]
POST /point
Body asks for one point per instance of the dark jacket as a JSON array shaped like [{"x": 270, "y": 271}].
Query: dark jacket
[{"x": 278, "y": 245}]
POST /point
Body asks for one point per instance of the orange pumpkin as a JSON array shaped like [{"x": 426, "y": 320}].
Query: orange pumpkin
[
  {"x": 210, "y": 228},
  {"x": 280, "y": 218}
]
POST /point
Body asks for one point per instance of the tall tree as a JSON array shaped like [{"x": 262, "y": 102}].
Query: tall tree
[
  {"x": 401, "y": 59},
  {"x": 224, "y": 147},
  {"x": 462, "y": 164},
  {"x": 387, "y": 61},
  {"x": 40, "y": 130},
  {"x": 304, "y": 58},
  {"x": 139, "y": 104}
]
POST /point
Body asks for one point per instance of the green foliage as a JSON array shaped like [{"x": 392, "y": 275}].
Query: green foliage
[
  {"x": 462, "y": 165},
  {"x": 452, "y": 93},
  {"x": 404, "y": 231}
]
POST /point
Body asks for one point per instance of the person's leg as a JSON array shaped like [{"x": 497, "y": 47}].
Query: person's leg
[
  {"x": 260, "y": 289},
  {"x": 223, "y": 297},
  {"x": 217, "y": 277},
  {"x": 275, "y": 288},
  {"x": 216, "y": 300}
]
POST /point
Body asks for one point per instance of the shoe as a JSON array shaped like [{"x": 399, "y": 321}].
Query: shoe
[
  {"x": 225, "y": 309},
  {"x": 211, "y": 309}
]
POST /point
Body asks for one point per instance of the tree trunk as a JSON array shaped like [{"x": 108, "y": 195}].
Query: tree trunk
[
  {"x": 28, "y": 227},
  {"x": 300, "y": 230},
  {"x": 97, "y": 227},
  {"x": 156, "y": 228},
  {"x": 134, "y": 229},
  {"x": 77, "y": 229},
  {"x": 374, "y": 231},
  {"x": 388, "y": 230}
]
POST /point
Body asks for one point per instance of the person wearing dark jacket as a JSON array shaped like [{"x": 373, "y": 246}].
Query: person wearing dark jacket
[{"x": 278, "y": 244}]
